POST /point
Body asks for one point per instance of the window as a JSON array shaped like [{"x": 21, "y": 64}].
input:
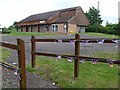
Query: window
[{"x": 54, "y": 27}]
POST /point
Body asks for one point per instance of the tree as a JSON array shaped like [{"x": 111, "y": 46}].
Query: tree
[
  {"x": 15, "y": 26},
  {"x": 94, "y": 16}
]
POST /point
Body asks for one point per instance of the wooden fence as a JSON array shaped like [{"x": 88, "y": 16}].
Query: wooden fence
[
  {"x": 76, "y": 57},
  {"x": 20, "y": 47}
]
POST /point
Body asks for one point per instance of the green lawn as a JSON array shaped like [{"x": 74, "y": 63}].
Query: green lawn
[
  {"x": 90, "y": 76},
  {"x": 32, "y": 33},
  {"x": 101, "y": 35},
  {"x": 4, "y": 53},
  {"x": 111, "y": 55}
]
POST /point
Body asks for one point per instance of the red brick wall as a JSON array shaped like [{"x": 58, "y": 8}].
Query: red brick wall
[{"x": 80, "y": 18}]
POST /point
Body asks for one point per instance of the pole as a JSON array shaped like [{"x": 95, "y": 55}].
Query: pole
[
  {"x": 21, "y": 60},
  {"x": 97, "y": 16},
  {"x": 33, "y": 50},
  {"x": 77, "y": 53}
]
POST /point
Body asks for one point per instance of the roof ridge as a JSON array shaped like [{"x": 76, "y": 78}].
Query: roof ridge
[{"x": 56, "y": 10}]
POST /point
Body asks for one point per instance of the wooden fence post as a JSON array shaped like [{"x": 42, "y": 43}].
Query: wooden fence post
[
  {"x": 33, "y": 47},
  {"x": 21, "y": 60},
  {"x": 77, "y": 53}
]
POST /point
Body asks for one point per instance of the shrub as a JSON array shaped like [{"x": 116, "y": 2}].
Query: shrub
[
  {"x": 96, "y": 28},
  {"x": 8, "y": 30},
  {"x": 108, "y": 29}
]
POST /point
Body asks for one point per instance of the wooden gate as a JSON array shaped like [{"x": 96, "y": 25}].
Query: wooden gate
[{"x": 20, "y": 47}]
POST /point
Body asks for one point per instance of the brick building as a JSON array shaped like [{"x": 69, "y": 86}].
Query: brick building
[{"x": 70, "y": 20}]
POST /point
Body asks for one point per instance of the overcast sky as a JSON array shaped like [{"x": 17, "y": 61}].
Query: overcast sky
[{"x": 16, "y": 10}]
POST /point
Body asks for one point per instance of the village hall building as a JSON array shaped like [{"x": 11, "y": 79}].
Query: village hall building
[{"x": 69, "y": 20}]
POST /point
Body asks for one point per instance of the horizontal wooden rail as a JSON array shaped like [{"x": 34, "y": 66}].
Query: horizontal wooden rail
[
  {"x": 80, "y": 40},
  {"x": 8, "y": 66},
  {"x": 11, "y": 46},
  {"x": 74, "y": 57}
]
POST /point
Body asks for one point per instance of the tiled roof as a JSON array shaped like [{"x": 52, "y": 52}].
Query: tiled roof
[
  {"x": 63, "y": 19},
  {"x": 42, "y": 16}
]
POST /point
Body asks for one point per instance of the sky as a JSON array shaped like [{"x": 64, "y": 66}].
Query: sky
[{"x": 16, "y": 10}]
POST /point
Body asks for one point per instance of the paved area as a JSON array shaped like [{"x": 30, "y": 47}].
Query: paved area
[{"x": 65, "y": 48}]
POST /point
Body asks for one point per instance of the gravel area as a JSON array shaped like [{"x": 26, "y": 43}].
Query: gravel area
[{"x": 10, "y": 80}]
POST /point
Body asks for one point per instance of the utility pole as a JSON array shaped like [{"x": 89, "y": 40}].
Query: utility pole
[
  {"x": 97, "y": 17},
  {"x": 119, "y": 12}
]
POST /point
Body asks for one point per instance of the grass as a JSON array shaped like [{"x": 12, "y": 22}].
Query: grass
[
  {"x": 32, "y": 33},
  {"x": 90, "y": 76},
  {"x": 101, "y": 35},
  {"x": 4, "y": 53},
  {"x": 113, "y": 55}
]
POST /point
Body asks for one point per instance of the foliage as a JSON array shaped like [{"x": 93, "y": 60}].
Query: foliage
[
  {"x": 108, "y": 29},
  {"x": 9, "y": 30},
  {"x": 96, "y": 28},
  {"x": 14, "y": 25},
  {"x": 12, "y": 28},
  {"x": 94, "y": 16},
  {"x": 95, "y": 23}
]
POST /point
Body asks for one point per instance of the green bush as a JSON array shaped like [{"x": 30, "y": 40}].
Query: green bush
[
  {"x": 96, "y": 28},
  {"x": 91, "y": 28},
  {"x": 5, "y": 31},
  {"x": 108, "y": 29},
  {"x": 8, "y": 30}
]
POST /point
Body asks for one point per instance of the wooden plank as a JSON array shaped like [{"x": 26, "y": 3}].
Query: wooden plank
[
  {"x": 8, "y": 66},
  {"x": 95, "y": 40},
  {"x": 53, "y": 40},
  {"x": 77, "y": 57},
  {"x": 77, "y": 53},
  {"x": 33, "y": 49},
  {"x": 80, "y": 40},
  {"x": 11, "y": 46},
  {"x": 45, "y": 40},
  {"x": 21, "y": 60}
]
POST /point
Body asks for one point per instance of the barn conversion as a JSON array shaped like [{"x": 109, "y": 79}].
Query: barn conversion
[{"x": 70, "y": 20}]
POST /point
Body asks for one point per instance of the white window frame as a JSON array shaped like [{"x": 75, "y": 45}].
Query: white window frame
[{"x": 54, "y": 27}]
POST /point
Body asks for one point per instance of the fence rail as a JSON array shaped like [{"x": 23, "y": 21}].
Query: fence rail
[
  {"x": 11, "y": 46},
  {"x": 77, "y": 40},
  {"x": 75, "y": 57},
  {"x": 6, "y": 65},
  {"x": 95, "y": 40},
  {"x": 20, "y": 47}
]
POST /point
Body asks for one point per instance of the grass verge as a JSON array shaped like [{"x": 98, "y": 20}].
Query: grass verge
[
  {"x": 32, "y": 33},
  {"x": 90, "y": 76},
  {"x": 101, "y": 35},
  {"x": 4, "y": 53}
]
